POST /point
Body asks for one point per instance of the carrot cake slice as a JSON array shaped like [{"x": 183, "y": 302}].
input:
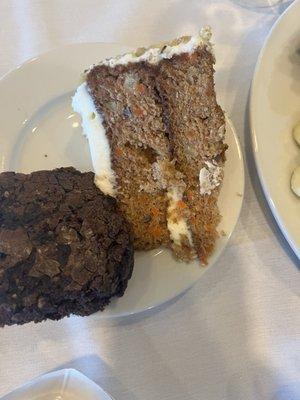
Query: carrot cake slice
[{"x": 156, "y": 137}]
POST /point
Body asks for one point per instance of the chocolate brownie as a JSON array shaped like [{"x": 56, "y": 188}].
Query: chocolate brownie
[{"x": 64, "y": 247}]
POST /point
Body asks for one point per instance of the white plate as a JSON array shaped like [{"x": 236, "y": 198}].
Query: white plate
[
  {"x": 40, "y": 131},
  {"x": 274, "y": 110},
  {"x": 66, "y": 384}
]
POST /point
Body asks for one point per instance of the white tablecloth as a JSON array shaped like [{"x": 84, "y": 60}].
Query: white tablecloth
[{"x": 236, "y": 334}]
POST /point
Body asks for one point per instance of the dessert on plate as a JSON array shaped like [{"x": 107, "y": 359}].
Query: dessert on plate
[
  {"x": 64, "y": 247},
  {"x": 156, "y": 136}
]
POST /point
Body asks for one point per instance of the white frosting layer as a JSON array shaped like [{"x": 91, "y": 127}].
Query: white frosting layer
[
  {"x": 155, "y": 54},
  {"x": 93, "y": 128},
  {"x": 210, "y": 177},
  {"x": 178, "y": 226}
]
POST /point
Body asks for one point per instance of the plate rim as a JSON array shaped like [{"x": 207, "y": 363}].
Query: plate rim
[
  {"x": 238, "y": 149},
  {"x": 262, "y": 180}
]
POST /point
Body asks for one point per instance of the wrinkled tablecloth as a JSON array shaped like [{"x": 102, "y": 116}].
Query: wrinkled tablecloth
[{"x": 236, "y": 334}]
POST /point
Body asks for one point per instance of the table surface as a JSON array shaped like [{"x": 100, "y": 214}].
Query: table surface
[{"x": 234, "y": 335}]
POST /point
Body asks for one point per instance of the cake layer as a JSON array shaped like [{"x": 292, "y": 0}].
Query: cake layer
[
  {"x": 93, "y": 129},
  {"x": 197, "y": 127}
]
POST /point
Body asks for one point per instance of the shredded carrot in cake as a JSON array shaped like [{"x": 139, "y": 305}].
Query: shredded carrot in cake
[
  {"x": 118, "y": 152},
  {"x": 181, "y": 205},
  {"x": 138, "y": 111},
  {"x": 189, "y": 196},
  {"x": 140, "y": 88},
  {"x": 155, "y": 211},
  {"x": 156, "y": 230},
  {"x": 193, "y": 57}
]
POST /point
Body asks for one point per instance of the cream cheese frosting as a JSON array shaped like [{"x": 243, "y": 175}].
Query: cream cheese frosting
[
  {"x": 156, "y": 53},
  {"x": 177, "y": 226},
  {"x": 93, "y": 129}
]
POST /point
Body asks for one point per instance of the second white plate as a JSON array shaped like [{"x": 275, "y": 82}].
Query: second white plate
[
  {"x": 274, "y": 110},
  {"x": 40, "y": 131}
]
